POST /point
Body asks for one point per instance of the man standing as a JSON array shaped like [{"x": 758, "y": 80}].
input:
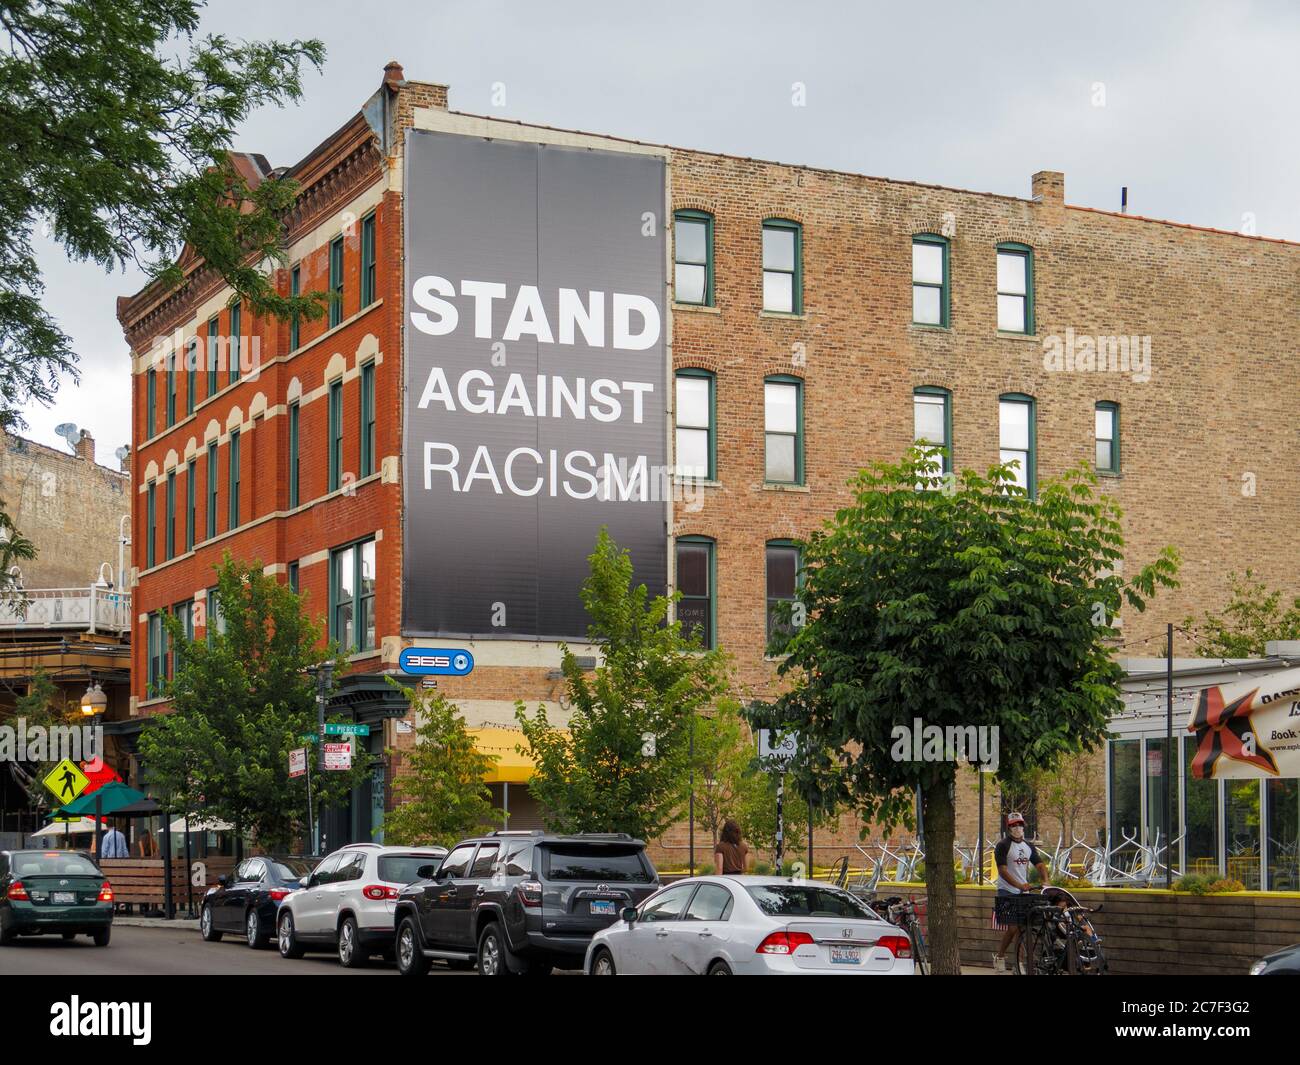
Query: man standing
[
  {"x": 114, "y": 845},
  {"x": 1013, "y": 856}
]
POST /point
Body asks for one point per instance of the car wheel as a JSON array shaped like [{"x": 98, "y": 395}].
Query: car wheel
[
  {"x": 410, "y": 958},
  {"x": 719, "y": 968},
  {"x": 602, "y": 964},
  {"x": 253, "y": 930},
  {"x": 102, "y": 937},
  {"x": 492, "y": 952},
  {"x": 206, "y": 928},
  {"x": 7, "y": 935},
  {"x": 351, "y": 956},
  {"x": 285, "y": 938}
]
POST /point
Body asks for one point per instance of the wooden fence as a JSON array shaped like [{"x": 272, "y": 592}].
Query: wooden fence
[{"x": 141, "y": 882}]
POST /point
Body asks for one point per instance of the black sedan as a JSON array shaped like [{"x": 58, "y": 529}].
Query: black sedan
[
  {"x": 246, "y": 901},
  {"x": 1284, "y": 962},
  {"x": 54, "y": 892}
]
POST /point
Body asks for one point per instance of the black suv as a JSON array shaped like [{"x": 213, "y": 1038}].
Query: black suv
[{"x": 520, "y": 902}]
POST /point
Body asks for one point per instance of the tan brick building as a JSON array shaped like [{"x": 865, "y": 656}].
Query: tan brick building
[{"x": 822, "y": 318}]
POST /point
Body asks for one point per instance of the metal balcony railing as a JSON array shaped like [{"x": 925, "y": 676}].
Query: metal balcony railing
[{"x": 91, "y": 609}]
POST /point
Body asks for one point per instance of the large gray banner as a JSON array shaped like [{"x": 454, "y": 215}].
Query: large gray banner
[{"x": 535, "y": 380}]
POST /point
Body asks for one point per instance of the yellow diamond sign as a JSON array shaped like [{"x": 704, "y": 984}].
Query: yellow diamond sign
[{"x": 66, "y": 781}]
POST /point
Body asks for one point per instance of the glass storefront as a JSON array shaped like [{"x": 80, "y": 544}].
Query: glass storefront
[
  {"x": 1283, "y": 834},
  {"x": 1125, "y": 794},
  {"x": 1201, "y": 845},
  {"x": 1241, "y": 831}
]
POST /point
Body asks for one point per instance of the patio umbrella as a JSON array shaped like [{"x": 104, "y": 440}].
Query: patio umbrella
[
  {"x": 106, "y": 800},
  {"x": 86, "y": 824}
]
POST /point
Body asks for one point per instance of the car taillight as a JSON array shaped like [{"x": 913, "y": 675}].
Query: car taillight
[
  {"x": 784, "y": 942},
  {"x": 530, "y": 893},
  {"x": 278, "y": 894},
  {"x": 105, "y": 892},
  {"x": 379, "y": 892},
  {"x": 898, "y": 946},
  {"x": 18, "y": 892}
]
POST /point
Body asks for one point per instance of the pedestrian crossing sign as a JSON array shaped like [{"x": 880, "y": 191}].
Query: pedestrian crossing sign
[{"x": 66, "y": 781}]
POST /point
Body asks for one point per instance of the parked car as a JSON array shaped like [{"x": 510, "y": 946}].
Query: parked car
[
  {"x": 1284, "y": 962},
  {"x": 347, "y": 904},
  {"x": 762, "y": 925},
  {"x": 520, "y": 902},
  {"x": 245, "y": 902},
  {"x": 54, "y": 892}
]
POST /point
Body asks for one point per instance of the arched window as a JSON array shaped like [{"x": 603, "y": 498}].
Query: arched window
[
  {"x": 697, "y": 581},
  {"x": 693, "y": 258},
  {"x": 782, "y": 266},
  {"x": 694, "y": 415},
  {"x": 783, "y": 430},
  {"x": 932, "y": 423},
  {"x": 1015, "y": 288},
  {"x": 1018, "y": 439},
  {"x": 930, "y": 299}
]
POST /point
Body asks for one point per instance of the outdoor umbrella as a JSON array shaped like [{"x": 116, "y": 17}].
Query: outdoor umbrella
[
  {"x": 106, "y": 800},
  {"x": 74, "y": 828}
]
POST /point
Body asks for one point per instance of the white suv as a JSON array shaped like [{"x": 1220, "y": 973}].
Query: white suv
[{"x": 346, "y": 904}]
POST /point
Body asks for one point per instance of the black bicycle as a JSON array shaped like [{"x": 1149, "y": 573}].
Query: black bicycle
[
  {"x": 906, "y": 915},
  {"x": 1058, "y": 937}
]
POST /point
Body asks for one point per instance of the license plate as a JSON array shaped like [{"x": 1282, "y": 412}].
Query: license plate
[
  {"x": 64, "y": 898},
  {"x": 845, "y": 956},
  {"x": 604, "y": 907}
]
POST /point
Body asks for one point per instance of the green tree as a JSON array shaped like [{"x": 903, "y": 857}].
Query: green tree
[
  {"x": 971, "y": 605},
  {"x": 652, "y": 680},
  {"x": 723, "y": 752},
  {"x": 44, "y": 706},
  {"x": 1254, "y": 616},
  {"x": 117, "y": 148},
  {"x": 442, "y": 795},
  {"x": 14, "y": 548},
  {"x": 240, "y": 701}
]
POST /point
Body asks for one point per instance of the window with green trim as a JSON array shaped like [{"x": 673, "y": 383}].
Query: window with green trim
[
  {"x": 693, "y": 258},
  {"x": 150, "y": 402},
  {"x": 368, "y": 260},
  {"x": 191, "y": 468},
  {"x": 192, "y": 374},
  {"x": 1107, "y": 419},
  {"x": 169, "y": 526},
  {"x": 216, "y": 621},
  {"x": 695, "y": 440},
  {"x": 336, "y": 281},
  {"x": 1015, "y": 288},
  {"x": 295, "y": 323},
  {"x": 782, "y": 589},
  {"x": 696, "y": 577},
  {"x": 367, "y": 420},
  {"x": 932, "y": 426},
  {"x": 1017, "y": 439},
  {"x": 352, "y": 596},
  {"x": 151, "y": 507},
  {"x": 171, "y": 390},
  {"x": 930, "y": 301},
  {"x": 336, "y": 435},
  {"x": 184, "y": 613},
  {"x": 293, "y": 576},
  {"x": 236, "y": 326},
  {"x": 210, "y": 518},
  {"x": 214, "y": 346},
  {"x": 295, "y": 416},
  {"x": 783, "y": 430},
  {"x": 232, "y": 480},
  {"x": 782, "y": 266},
  {"x": 157, "y": 653}
]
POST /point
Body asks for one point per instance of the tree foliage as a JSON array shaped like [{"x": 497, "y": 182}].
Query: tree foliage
[
  {"x": 971, "y": 605},
  {"x": 14, "y": 548},
  {"x": 592, "y": 776},
  {"x": 441, "y": 796},
  {"x": 1253, "y": 617},
  {"x": 241, "y": 700}
]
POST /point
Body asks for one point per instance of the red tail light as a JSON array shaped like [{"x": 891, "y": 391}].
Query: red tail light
[
  {"x": 530, "y": 893},
  {"x": 17, "y": 892},
  {"x": 379, "y": 892},
  {"x": 277, "y": 894},
  {"x": 898, "y": 946},
  {"x": 784, "y": 942},
  {"x": 105, "y": 892}
]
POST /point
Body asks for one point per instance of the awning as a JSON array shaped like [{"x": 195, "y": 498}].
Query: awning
[{"x": 511, "y": 767}]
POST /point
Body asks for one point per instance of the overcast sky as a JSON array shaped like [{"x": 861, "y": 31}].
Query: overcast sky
[{"x": 1198, "y": 117}]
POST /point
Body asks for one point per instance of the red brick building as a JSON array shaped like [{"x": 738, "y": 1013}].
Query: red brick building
[{"x": 821, "y": 320}]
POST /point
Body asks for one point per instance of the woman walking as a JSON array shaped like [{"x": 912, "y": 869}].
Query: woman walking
[{"x": 731, "y": 852}]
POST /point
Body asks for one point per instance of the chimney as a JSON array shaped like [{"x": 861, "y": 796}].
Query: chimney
[
  {"x": 393, "y": 73},
  {"x": 86, "y": 447},
  {"x": 1049, "y": 188}
]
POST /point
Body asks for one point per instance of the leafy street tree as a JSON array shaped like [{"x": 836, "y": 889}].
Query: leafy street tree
[
  {"x": 652, "y": 680},
  {"x": 442, "y": 796},
  {"x": 44, "y": 706},
  {"x": 117, "y": 150},
  {"x": 970, "y": 605},
  {"x": 241, "y": 699},
  {"x": 14, "y": 548},
  {"x": 1254, "y": 616}
]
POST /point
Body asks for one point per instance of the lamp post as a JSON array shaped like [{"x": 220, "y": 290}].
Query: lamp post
[{"x": 93, "y": 704}]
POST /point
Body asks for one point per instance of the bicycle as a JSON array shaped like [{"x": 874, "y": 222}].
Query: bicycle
[
  {"x": 905, "y": 915},
  {"x": 1058, "y": 937}
]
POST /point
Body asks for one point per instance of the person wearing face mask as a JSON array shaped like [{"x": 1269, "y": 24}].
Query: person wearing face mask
[{"x": 1013, "y": 856}]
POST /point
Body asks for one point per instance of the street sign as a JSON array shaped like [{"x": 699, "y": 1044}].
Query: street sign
[
  {"x": 298, "y": 762},
  {"x": 66, "y": 781},
  {"x": 309, "y": 737},
  {"x": 776, "y": 747},
  {"x": 347, "y": 730},
  {"x": 436, "y": 661},
  {"x": 338, "y": 756}
]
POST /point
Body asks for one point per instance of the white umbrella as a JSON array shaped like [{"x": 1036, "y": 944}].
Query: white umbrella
[
  {"x": 202, "y": 826},
  {"x": 80, "y": 826}
]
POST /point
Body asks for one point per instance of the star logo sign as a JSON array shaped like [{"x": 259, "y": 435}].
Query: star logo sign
[{"x": 1225, "y": 729}]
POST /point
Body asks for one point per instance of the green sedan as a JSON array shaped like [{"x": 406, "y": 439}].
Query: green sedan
[{"x": 54, "y": 893}]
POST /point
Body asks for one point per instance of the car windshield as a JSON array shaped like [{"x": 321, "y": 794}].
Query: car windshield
[
  {"x": 606, "y": 863},
  {"x": 402, "y": 868},
  {"x": 52, "y": 863},
  {"x": 288, "y": 870},
  {"x": 794, "y": 900}
]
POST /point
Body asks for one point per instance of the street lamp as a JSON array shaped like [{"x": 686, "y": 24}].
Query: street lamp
[{"x": 94, "y": 702}]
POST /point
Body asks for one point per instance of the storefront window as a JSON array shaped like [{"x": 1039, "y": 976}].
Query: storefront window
[
  {"x": 1283, "y": 834},
  {"x": 1125, "y": 793},
  {"x": 1156, "y": 768},
  {"x": 1201, "y": 847},
  {"x": 1241, "y": 831}
]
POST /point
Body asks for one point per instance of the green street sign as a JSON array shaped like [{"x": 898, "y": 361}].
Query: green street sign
[
  {"x": 347, "y": 730},
  {"x": 309, "y": 737}
]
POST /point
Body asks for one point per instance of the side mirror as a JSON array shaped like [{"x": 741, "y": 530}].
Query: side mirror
[
  {"x": 304, "y": 881},
  {"x": 629, "y": 914},
  {"x": 425, "y": 872},
  {"x": 222, "y": 880}
]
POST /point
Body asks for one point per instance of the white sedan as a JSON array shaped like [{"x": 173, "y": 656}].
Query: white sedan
[{"x": 762, "y": 925}]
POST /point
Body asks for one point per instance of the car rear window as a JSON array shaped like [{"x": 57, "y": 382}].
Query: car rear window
[
  {"x": 401, "y": 868},
  {"x": 791, "y": 900},
  {"x": 52, "y": 863},
  {"x": 603, "y": 863}
]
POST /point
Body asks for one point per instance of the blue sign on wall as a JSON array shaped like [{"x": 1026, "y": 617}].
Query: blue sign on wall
[{"x": 436, "y": 661}]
